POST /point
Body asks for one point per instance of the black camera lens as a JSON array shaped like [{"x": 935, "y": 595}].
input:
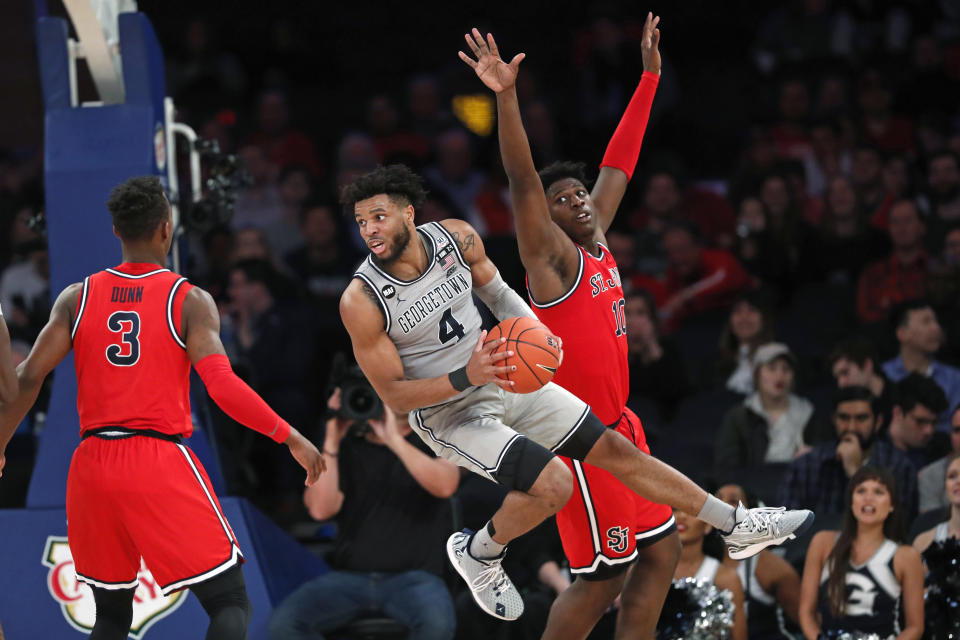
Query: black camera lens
[{"x": 360, "y": 401}]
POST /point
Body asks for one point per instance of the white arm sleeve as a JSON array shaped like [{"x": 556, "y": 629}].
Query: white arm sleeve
[{"x": 503, "y": 301}]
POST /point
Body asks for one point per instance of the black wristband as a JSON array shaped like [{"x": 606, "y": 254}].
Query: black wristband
[{"x": 459, "y": 379}]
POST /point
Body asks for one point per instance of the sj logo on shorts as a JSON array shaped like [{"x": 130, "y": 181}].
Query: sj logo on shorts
[
  {"x": 76, "y": 598},
  {"x": 618, "y": 538}
]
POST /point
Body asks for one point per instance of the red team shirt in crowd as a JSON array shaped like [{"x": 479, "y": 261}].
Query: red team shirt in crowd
[{"x": 604, "y": 522}]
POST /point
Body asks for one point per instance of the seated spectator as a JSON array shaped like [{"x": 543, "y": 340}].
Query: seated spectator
[
  {"x": 25, "y": 291},
  {"x": 283, "y": 144},
  {"x": 697, "y": 279},
  {"x": 879, "y": 126},
  {"x": 818, "y": 480},
  {"x": 857, "y": 580},
  {"x": 866, "y": 177},
  {"x": 950, "y": 488},
  {"x": 665, "y": 203},
  {"x": 258, "y": 204},
  {"x": 902, "y": 276},
  {"x": 657, "y": 370},
  {"x": 943, "y": 277},
  {"x": 771, "y": 586},
  {"x": 853, "y": 363},
  {"x": 694, "y": 563},
  {"x": 388, "y": 494},
  {"x": 325, "y": 264},
  {"x": 943, "y": 180},
  {"x": 455, "y": 176},
  {"x": 749, "y": 325},
  {"x": 785, "y": 233},
  {"x": 390, "y": 140},
  {"x": 917, "y": 402},
  {"x": 845, "y": 241},
  {"x": 295, "y": 187},
  {"x": 897, "y": 185},
  {"x": 932, "y": 476},
  {"x": 771, "y": 423},
  {"x": 920, "y": 337}
]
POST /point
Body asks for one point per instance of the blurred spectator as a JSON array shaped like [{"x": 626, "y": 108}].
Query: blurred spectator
[
  {"x": 758, "y": 159},
  {"x": 214, "y": 262},
  {"x": 749, "y": 325},
  {"x": 933, "y": 475},
  {"x": 772, "y": 422},
  {"x": 25, "y": 291},
  {"x": 810, "y": 204},
  {"x": 427, "y": 116},
  {"x": 858, "y": 579},
  {"x": 324, "y": 265},
  {"x": 541, "y": 131},
  {"x": 203, "y": 76},
  {"x": 664, "y": 204},
  {"x": 950, "y": 489},
  {"x": 784, "y": 235},
  {"x": 897, "y": 185},
  {"x": 697, "y": 279},
  {"x": 879, "y": 126},
  {"x": 251, "y": 244},
  {"x": 390, "y": 140},
  {"x": 943, "y": 180},
  {"x": 657, "y": 369},
  {"x": 694, "y": 563},
  {"x": 943, "y": 277},
  {"x": 455, "y": 176},
  {"x": 790, "y": 133},
  {"x": 389, "y": 494},
  {"x": 818, "y": 480},
  {"x": 294, "y": 187},
  {"x": 282, "y": 144},
  {"x": 902, "y": 276},
  {"x": 920, "y": 337},
  {"x": 19, "y": 234},
  {"x": 845, "y": 241},
  {"x": 854, "y": 363},
  {"x": 866, "y": 176},
  {"x": 918, "y": 402},
  {"x": 258, "y": 204},
  {"x": 827, "y": 160}
]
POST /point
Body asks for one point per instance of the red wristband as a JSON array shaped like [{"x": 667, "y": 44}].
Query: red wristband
[
  {"x": 624, "y": 147},
  {"x": 238, "y": 400}
]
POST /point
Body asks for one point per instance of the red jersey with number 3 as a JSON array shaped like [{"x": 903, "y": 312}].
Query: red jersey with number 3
[
  {"x": 132, "y": 365},
  {"x": 591, "y": 321}
]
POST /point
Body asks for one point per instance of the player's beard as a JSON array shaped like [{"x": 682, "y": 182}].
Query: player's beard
[{"x": 398, "y": 244}]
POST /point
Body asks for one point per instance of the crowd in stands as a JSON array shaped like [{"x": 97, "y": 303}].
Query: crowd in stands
[{"x": 792, "y": 278}]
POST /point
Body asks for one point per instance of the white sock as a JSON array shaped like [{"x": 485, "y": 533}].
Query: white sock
[
  {"x": 718, "y": 514},
  {"x": 483, "y": 546}
]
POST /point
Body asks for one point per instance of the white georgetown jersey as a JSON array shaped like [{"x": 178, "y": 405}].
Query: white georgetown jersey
[{"x": 432, "y": 319}]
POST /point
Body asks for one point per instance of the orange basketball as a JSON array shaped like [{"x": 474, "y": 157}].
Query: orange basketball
[{"x": 536, "y": 352}]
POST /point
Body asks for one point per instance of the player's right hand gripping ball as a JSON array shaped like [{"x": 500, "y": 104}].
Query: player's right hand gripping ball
[{"x": 536, "y": 352}]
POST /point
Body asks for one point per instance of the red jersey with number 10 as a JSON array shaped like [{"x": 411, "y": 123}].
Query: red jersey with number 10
[
  {"x": 132, "y": 365},
  {"x": 591, "y": 321}
]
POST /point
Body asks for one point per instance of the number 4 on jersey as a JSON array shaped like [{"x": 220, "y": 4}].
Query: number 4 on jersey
[{"x": 450, "y": 328}]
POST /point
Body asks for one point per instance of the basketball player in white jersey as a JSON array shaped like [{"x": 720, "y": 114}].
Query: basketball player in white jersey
[{"x": 416, "y": 334}]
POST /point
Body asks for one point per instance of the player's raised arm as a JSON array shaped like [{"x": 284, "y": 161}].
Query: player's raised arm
[
  {"x": 380, "y": 361},
  {"x": 52, "y": 345},
  {"x": 201, "y": 324},
  {"x": 489, "y": 286},
  {"x": 539, "y": 240},
  {"x": 620, "y": 158}
]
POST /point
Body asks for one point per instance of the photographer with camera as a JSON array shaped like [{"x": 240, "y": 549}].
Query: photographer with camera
[{"x": 388, "y": 494}]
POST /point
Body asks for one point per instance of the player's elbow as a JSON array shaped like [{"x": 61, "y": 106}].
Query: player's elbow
[
  {"x": 445, "y": 486},
  {"x": 321, "y": 506}
]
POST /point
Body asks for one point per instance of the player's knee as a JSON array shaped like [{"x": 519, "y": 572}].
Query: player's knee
[
  {"x": 225, "y": 600},
  {"x": 614, "y": 453},
  {"x": 115, "y": 606},
  {"x": 554, "y": 486}
]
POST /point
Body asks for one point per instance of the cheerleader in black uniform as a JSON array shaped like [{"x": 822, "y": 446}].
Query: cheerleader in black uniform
[{"x": 860, "y": 580}]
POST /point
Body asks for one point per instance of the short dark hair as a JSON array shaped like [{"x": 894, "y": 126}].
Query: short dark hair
[
  {"x": 138, "y": 206},
  {"x": 257, "y": 270},
  {"x": 900, "y": 312},
  {"x": 919, "y": 389},
  {"x": 854, "y": 394},
  {"x": 562, "y": 170},
  {"x": 856, "y": 349},
  {"x": 397, "y": 181}
]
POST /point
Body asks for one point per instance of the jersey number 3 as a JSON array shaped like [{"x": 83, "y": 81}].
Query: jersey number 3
[
  {"x": 127, "y": 324},
  {"x": 450, "y": 328}
]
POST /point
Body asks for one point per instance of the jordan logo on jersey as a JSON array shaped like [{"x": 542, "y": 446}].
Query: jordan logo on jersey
[{"x": 76, "y": 598}]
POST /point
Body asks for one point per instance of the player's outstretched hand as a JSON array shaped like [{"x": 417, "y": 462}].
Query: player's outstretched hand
[
  {"x": 650, "y": 44},
  {"x": 483, "y": 366},
  {"x": 307, "y": 455},
  {"x": 495, "y": 73}
]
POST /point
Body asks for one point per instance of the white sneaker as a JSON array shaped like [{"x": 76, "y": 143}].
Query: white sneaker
[
  {"x": 762, "y": 527},
  {"x": 488, "y": 582}
]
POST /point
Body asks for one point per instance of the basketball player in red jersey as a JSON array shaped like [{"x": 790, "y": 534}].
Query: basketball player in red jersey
[
  {"x": 134, "y": 490},
  {"x": 575, "y": 289}
]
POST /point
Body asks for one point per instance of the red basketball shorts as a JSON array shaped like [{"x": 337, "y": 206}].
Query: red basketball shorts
[
  {"x": 604, "y": 522},
  {"x": 142, "y": 496}
]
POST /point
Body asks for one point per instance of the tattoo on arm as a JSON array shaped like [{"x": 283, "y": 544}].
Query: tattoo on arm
[
  {"x": 367, "y": 291},
  {"x": 466, "y": 244}
]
